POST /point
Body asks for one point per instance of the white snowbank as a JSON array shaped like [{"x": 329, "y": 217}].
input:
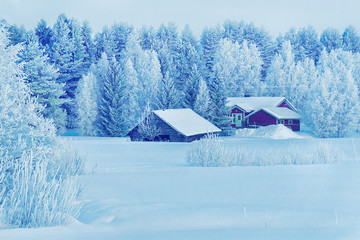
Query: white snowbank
[{"x": 271, "y": 131}]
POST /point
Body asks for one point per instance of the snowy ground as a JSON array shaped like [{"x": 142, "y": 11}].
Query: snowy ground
[{"x": 145, "y": 191}]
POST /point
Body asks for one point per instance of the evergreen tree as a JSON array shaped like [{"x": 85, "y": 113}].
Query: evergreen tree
[
  {"x": 219, "y": 114},
  {"x": 225, "y": 66},
  {"x": 67, "y": 53},
  {"x": 189, "y": 55},
  {"x": 88, "y": 44},
  {"x": 210, "y": 39},
  {"x": 113, "y": 120},
  {"x": 41, "y": 77},
  {"x": 191, "y": 88},
  {"x": 147, "y": 69},
  {"x": 331, "y": 39},
  {"x": 87, "y": 106},
  {"x": 44, "y": 33},
  {"x": 280, "y": 73},
  {"x": 305, "y": 43},
  {"x": 336, "y": 101},
  {"x": 351, "y": 40},
  {"x": 131, "y": 108},
  {"x": 169, "y": 96},
  {"x": 119, "y": 37},
  {"x": 16, "y": 34},
  {"x": 147, "y": 38},
  {"x": 249, "y": 69},
  {"x": 202, "y": 102},
  {"x": 304, "y": 77}
]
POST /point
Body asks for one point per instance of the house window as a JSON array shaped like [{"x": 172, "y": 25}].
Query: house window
[
  {"x": 290, "y": 122},
  {"x": 280, "y": 121},
  {"x": 239, "y": 117}
]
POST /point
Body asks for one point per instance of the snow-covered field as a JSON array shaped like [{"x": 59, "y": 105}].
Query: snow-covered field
[{"x": 146, "y": 191}]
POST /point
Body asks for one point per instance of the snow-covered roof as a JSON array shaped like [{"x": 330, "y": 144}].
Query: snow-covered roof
[
  {"x": 186, "y": 121},
  {"x": 282, "y": 113},
  {"x": 254, "y": 103}
]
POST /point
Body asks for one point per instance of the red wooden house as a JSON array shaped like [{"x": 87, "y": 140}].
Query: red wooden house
[{"x": 262, "y": 111}]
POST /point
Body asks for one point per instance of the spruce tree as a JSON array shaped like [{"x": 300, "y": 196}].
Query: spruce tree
[
  {"x": 113, "y": 120},
  {"x": 202, "y": 102},
  {"x": 41, "y": 77},
  {"x": 220, "y": 114},
  {"x": 87, "y": 106}
]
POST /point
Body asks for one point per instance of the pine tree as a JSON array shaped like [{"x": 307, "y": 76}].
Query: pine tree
[
  {"x": 191, "y": 87},
  {"x": 41, "y": 77},
  {"x": 113, "y": 120},
  {"x": 87, "y": 106},
  {"x": 147, "y": 38},
  {"x": 280, "y": 73},
  {"x": 88, "y": 44},
  {"x": 44, "y": 33},
  {"x": 225, "y": 66},
  {"x": 169, "y": 96},
  {"x": 219, "y": 114},
  {"x": 210, "y": 39},
  {"x": 249, "y": 70},
  {"x": 190, "y": 63},
  {"x": 331, "y": 39},
  {"x": 119, "y": 37},
  {"x": 351, "y": 40},
  {"x": 67, "y": 53},
  {"x": 304, "y": 77},
  {"x": 202, "y": 102},
  {"x": 336, "y": 101},
  {"x": 147, "y": 69},
  {"x": 131, "y": 108}
]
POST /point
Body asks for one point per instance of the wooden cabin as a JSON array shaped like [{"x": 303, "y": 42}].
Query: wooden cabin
[
  {"x": 262, "y": 111},
  {"x": 172, "y": 125}
]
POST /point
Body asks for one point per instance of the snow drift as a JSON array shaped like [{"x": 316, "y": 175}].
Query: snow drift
[{"x": 271, "y": 131}]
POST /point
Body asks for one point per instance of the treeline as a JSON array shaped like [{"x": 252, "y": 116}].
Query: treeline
[{"x": 104, "y": 85}]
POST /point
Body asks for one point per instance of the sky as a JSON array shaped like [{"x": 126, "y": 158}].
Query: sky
[{"x": 276, "y": 16}]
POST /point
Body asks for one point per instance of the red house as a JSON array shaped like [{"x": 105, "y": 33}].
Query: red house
[{"x": 262, "y": 111}]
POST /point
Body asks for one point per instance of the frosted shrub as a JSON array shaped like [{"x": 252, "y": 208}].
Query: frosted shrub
[
  {"x": 207, "y": 152},
  {"x": 326, "y": 154},
  {"x": 210, "y": 152},
  {"x": 36, "y": 200}
]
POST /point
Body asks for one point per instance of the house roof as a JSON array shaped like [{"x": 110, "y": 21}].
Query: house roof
[
  {"x": 279, "y": 113},
  {"x": 250, "y": 104},
  {"x": 186, "y": 121}
]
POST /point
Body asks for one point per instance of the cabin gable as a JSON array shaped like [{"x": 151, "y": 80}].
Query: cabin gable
[{"x": 286, "y": 104}]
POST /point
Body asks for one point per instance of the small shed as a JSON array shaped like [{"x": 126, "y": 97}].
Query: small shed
[{"x": 173, "y": 125}]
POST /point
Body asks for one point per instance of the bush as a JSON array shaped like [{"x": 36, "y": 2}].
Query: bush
[
  {"x": 37, "y": 199},
  {"x": 211, "y": 152}
]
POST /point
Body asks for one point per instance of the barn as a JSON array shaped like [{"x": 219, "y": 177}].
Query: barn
[
  {"x": 173, "y": 125},
  {"x": 262, "y": 111}
]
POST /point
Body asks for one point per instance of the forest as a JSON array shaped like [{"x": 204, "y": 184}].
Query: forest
[{"x": 104, "y": 83}]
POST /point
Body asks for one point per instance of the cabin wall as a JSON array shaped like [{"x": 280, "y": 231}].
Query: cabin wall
[
  {"x": 237, "y": 110},
  {"x": 167, "y": 133},
  {"x": 261, "y": 118}
]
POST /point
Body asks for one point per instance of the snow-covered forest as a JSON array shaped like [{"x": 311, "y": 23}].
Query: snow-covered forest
[{"x": 104, "y": 83}]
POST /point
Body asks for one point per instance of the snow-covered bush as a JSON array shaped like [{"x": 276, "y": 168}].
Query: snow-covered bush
[
  {"x": 211, "y": 152},
  {"x": 37, "y": 199},
  {"x": 38, "y": 172},
  {"x": 208, "y": 152}
]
